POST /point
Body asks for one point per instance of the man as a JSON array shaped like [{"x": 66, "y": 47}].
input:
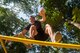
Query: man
[{"x": 36, "y": 32}]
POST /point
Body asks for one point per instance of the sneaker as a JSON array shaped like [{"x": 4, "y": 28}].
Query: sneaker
[{"x": 58, "y": 37}]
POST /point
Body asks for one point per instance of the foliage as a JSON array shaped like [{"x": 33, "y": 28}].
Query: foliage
[
  {"x": 55, "y": 11},
  {"x": 27, "y": 6},
  {"x": 76, "y": 14},
  {"x": 8, "y": 22},
  {"x": 58, "y": 12}
]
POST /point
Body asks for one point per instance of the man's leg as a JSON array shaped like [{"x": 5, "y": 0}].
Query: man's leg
[
  {"x": 48, "y": 30},
  {"x": 32, "y": 31},
  {"x": 55, "y": 37}
]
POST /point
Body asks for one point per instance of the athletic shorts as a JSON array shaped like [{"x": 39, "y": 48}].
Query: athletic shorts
[{"x": 41, "y": 36}]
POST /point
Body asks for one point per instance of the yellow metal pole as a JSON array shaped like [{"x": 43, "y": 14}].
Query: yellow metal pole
[
  {"x": 3, "y": 46},
  {"x": 28, "y": 41}
]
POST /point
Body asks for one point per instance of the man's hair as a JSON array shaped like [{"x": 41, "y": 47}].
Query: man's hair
[{"x": 32, "y": 16}]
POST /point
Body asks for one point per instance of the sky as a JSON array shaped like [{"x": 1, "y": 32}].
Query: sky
[{"x": 20, "y": 14}]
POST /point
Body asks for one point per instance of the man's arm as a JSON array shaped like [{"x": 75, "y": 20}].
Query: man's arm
[
  {"x": 24, "y": 31},
  {"x": 22, "y": 34},
  {"x": 42, "y": 13}
]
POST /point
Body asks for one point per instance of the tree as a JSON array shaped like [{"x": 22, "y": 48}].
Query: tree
[
  {"x": 10, "y": 24},
  {"x": 26, "y": 6},
  {"x": 58, "y": 12}
]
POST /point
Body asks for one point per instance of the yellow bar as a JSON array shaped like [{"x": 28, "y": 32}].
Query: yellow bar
[
  {"x": 3, "y": 46},
  {"x": 28, "y": 41}
]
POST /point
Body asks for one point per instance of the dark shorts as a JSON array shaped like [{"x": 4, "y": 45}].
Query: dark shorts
[{"x": 41, "y": 36}]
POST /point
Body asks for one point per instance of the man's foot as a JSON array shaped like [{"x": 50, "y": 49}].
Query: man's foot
[{"x": 58, "y": 37}]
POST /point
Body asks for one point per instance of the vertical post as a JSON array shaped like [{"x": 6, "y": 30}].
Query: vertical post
[{"x": 3, "y": 46}]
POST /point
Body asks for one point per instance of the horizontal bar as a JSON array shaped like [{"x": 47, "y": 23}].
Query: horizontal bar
[{"x": 29, "y": 41}]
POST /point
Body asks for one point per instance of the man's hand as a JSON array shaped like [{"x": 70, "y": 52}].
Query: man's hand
[{"x": 42, "y": 12}]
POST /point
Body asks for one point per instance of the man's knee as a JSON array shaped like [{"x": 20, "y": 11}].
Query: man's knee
[
  {"x": 47, "y": 25},
  {"x": 33, "y": 26}
]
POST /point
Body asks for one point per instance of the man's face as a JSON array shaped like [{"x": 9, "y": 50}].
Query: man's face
[{"x": 32, "y": 20}]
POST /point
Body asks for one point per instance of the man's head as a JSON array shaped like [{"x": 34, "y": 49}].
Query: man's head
[{"x": 32, "y": 19}]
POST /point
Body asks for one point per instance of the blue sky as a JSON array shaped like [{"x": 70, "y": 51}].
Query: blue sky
[
  {"x": 18, "y": 11},
  {"x": 20, "y": 14}
]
